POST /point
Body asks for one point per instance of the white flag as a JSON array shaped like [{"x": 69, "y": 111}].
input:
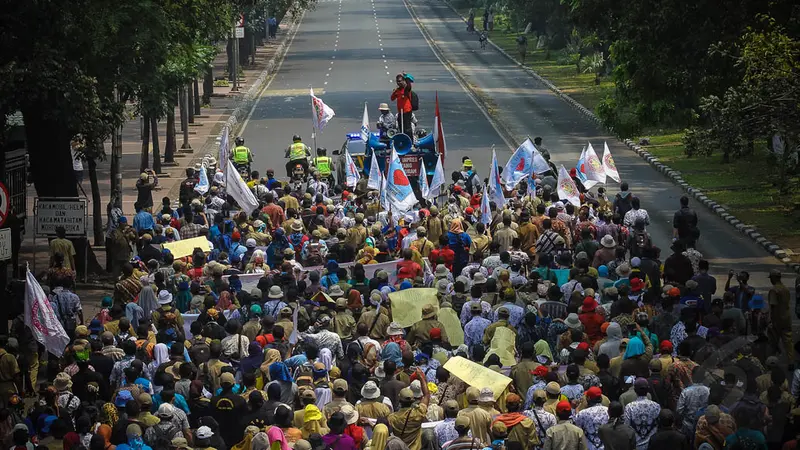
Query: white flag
[
  {"x": 486, "y": 209},
  {"x": 593, "y": 166},
  {"x": 351, "y": 170},
  {"x": 320, "y": 112},
  {"x": 567, "y": 190},
  {"x": 375, "y": 182},
  {"x": 494, "y": 185},
  {"x": 202, "y": 185},
  {"x": 293, "y": 338},
  {"x": 384, "y": 198},
  {"x": 424, "y": 189},
  {"x": 608, "y": 164},
  {"x": 41, "y": 319},
  {"x": 224, "y": 147},
  {"x": 365, "y": 125},
  {"x": 437, "y": 182},
  {"x": 238, "y": 190}
]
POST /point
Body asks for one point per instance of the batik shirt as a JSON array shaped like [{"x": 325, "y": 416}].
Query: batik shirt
[
  {"x": 466, "y": 314},
  {"x": 538, "y": 384},
  {"x": 473, "y": 331},
  {"x": 690, "y": 401},
  {"x": 676, "y": 336},
  {"x": 590, "y": 420},
  {"x": 642, "y": 416},
  {"x": 543, "y": 420},
  {"x": 446, "y": 431},
  {"x": 515, "y": 314},
  {"x": 572, "y": 391}
]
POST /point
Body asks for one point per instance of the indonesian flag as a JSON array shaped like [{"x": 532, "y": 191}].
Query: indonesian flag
[
  {"x": 320, "y": 112},
  {"x": 41, "y": 319},
  {"x": 438, "y": 132}
]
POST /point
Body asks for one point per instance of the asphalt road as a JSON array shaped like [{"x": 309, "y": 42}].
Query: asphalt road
[{"x": 350, "y": 50}]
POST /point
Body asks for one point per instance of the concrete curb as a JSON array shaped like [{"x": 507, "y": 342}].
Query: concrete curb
[
  {"x": 245, "y": 102},
  {"x": 749, "y": 231}
]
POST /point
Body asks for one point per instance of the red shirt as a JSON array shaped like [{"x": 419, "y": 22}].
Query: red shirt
[
  {"x": 275, "y": 213},
  {"x": 445, "y": 254},
  {"x": 403, "y": 100},
  {"x": 408, "y": 269},
  {"x": 591, "y": 323}
]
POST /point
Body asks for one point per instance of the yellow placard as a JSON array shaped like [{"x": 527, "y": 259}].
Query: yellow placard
[
  {"x": 503, "y": 344},
  {"x": 185, "y": 247},
  {"x": 452, "y": 325},
  {"x": 407, "y": 304},
  {"x": 477, "y": 376}
]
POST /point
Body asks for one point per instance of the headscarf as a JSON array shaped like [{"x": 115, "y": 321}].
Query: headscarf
[
  {"x": 105, "y": 431},
  {"x": 326, "y": 358},
  {"x": 279, "y": 371},
  {"x": 714, "y": 433},
  {"x": 247, "y": 441},
  {"x": 275, "y": 434},
  {"x": 160, "y": 354},
  {"x": 380, "y": 434},
  {"x": 455, "y": 226},
  {"x": 253, "y": 361},
  {"x": 147, "y": 298},
  {"x": 312, "y": 422},
  {"x": 543, "y": 349},
  {"x": 224, "y": 302},
  {"x": 196, "y": 304},
  {"x": 635, "y": 348},
  {"x": 392, "y": 352},
  {"x": 260, "y": 441},
  {"x": 272, "y": 356},
  {"x": 109, "y": 415}
]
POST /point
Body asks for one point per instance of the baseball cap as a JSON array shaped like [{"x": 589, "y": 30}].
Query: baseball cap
[
  {"x": 594, "y": 392},
  {"x": 204, "y": 432},
  {"x": 227, "y": 378},
  {"x": 553, "y": 388},
  {"x": 563, "y": 406},
  {"x": 462, "y": 422},
  {"x": 406, "y": 395},
  {"x": 340, "y": 386}
]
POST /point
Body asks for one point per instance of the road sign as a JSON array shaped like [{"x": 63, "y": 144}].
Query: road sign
[
  {"x": 239, "y": 32},
  {"x": 5, "y": 244},
  {"x": 5, "y": 203},
  {"x": 70, "y": 213}
]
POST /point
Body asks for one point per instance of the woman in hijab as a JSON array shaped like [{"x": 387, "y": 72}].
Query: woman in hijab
[
  {"x": 270, "y": 357},
  {"x": 326, "y": 358},
  {"x": 391, "y": 351},
  {"x": 279, "y": 374},
  {"x": 252, "y": 362},
  {"x": 459, "y": 242},
  {"x": 183, "y": 298},
  {"x": 277, "y": 440},
  {"x": 713, "y": 427},
  {"x": 104, "y": 431},
  {"x": 260, "y": 442},
  {"x": 313, "y": 422},
  {"x": 637, "y": 357},
  {"x": 247, "y": 441},
  {"x": 160, "y": 356},
  {"x": 196, "y": 305},
  {"x": 543, "y": 353},
  {"x": 275, "y": 249},
  {"x": 225, "y": 301}
]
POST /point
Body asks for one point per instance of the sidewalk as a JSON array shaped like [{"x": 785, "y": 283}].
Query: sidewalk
[{"x": 203, "y": 135}]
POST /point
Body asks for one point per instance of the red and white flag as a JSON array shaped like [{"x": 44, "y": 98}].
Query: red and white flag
[
  {"x": 438, "y": 132},
  {"x": 42, "y": 320}
]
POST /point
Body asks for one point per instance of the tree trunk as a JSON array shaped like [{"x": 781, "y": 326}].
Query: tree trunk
[
  {"x": 196, "y": 92},
  {"x": 97, "y": 207},
  {"x": 145, "y": 159},
  {"x": 184, "y": 119},
  {"x": 190, "y": 103},
  {"x": 156, "y": 150},
  {"x": 182, "y": 107},
  {"x": 231, "y": 60},
  {"x": 48, "y": 143},
  {"x": 208, "y": 85},
  {"x": 170, "y": 146},
  {"x": 244, "y": 49}
]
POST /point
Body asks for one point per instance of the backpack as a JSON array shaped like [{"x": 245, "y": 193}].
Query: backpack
[
  {"x": 314, "y": 257},
  {"x": 199, "y": 352},
  {"x": 623, "y": 204},
  {"x": 163, "y": 435},
  {"x": 187, "y": 189},
  {"x": 414, "y": 101},
  {"x": 641, "y": 240}
]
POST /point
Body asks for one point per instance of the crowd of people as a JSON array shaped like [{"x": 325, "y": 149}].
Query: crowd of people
[{"x": 612, "y": 348}]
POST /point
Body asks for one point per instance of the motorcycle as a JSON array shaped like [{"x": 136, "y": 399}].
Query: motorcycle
[{"x": 244, "y": 171}]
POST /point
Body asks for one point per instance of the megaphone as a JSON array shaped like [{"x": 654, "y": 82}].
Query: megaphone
[
  {"x": 375, "y": 142},
  {"x": 426, "y": 142},
  {"x": 402, "y": 144}
]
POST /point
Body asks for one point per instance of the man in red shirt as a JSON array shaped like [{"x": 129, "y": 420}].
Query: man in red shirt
[
  {"x": 402, "y": 95},
  {"x": 408, "y": 269},
  {"x": 442, "y": 254},
  {"x": 274, "y": 211},
  {"x": 591, "y": 320}
]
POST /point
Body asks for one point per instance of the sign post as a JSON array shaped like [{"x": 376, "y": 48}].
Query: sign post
[{"x": 71, "y": 213}]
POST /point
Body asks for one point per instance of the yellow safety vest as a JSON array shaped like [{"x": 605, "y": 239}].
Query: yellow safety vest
[
  {"x": 241, "y": 155},
  {"x": 297, "y": 151},
  {"x": 323, "y": 164}
]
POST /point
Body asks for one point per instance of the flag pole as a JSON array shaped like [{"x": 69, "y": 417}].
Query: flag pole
[{"x": 313, "y": 127}]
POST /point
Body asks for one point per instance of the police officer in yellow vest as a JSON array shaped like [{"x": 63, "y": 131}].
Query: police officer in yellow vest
[
  {"x": 323, "y": 163},
  {"x": 241, "y": 154},
  {"x": 297, "y": 153}
]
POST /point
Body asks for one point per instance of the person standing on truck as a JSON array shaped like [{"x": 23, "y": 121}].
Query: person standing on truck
[
  {"x": 407, "y": 102},
  {"x": 297, "y": 153},
  {"x": 387, "y": 120}
]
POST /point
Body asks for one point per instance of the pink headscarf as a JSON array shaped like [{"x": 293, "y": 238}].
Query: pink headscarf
[{"x": 275, "y": 434}]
